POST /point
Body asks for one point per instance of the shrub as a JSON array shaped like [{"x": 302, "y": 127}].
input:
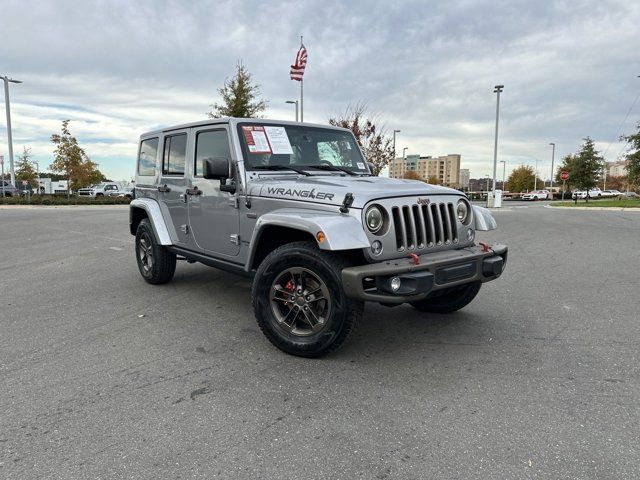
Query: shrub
[{"x": 62, "y": 200}]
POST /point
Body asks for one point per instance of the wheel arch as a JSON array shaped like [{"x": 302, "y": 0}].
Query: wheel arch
[
  {"x": 142, "y": 208},
  {"x": 343, "y": 233}
]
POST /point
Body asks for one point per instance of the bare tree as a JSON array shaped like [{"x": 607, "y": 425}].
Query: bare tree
[{"x": 376, "y": 146}]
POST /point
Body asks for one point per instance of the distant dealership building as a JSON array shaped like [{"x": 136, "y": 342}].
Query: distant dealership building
[{"x": 445, "y": 168}]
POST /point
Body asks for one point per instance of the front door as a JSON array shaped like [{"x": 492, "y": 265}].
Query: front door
[
  {"x": 213, "y": 215},
  {"x": 173, "y": 184}
]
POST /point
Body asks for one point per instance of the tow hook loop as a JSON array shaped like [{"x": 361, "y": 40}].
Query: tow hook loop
[
  {"x": 414, "y": 258},
  {"x": 485, "y": 247},
  {"x": 346, "y": 203}
]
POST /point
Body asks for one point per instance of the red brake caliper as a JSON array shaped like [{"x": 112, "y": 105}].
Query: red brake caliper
[{"x": 290, "y": 286}]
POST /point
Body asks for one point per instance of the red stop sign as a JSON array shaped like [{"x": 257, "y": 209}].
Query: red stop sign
[{"x": 564, "y": 175}]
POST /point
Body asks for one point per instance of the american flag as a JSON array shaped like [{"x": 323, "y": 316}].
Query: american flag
[{"x": 297, "y": 69}]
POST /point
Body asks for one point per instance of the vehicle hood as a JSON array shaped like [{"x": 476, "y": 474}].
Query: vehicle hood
[{"x": 332, "y": 189}]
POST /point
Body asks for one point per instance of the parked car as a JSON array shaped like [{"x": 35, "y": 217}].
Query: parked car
[
  {"x": 9, "y": 189},
  {"x": 536, "y": 195},
  {"x": 99, "y": 190},
  {"x": 610, "y": 193},
  {"x": 629, "y": 195},
  {"x": 582, "y": 194},
  {"x": 296, "y": 207},
  {"x": 126, "y": 192}
]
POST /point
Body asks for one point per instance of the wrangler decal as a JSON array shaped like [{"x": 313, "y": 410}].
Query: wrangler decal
[{"x": 292, "y": 192}]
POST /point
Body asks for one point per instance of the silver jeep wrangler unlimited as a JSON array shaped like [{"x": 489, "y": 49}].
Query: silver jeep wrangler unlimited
[{"x": 294, "y": 205}]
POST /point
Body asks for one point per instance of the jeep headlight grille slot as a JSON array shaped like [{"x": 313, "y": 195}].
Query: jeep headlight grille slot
[{"x": 419, "y": 226}]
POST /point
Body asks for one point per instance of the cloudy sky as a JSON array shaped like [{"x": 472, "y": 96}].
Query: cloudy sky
[{"x": 117, "y": 69}]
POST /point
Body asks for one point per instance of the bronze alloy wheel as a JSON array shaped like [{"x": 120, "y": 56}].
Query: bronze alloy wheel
[{"x": 300, "y": 301}]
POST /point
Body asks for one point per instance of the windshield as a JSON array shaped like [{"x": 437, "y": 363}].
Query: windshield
[{"x": 299, "y": 146}]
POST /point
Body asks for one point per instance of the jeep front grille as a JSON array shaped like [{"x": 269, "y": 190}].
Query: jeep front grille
[{"x": 418, "y": 227}]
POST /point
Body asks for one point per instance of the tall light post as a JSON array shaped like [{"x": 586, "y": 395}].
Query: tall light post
[
  {"x": 553, "y": 155},
  {"x": 535, "y": 177},
  {"x": 37, "y": 173},
  {"x": 403, "y": 152},
  {"x": 394, "y": 142},
  {"x": 504, "y": 170},
  {"x": 294, "y": 102},
  {"x": 488, "y": 178},
  {"x": 497, "y": 89},
  {"x": 8, "y": 80}
]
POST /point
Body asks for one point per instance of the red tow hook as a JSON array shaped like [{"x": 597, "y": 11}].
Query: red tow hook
[
  {"x": 485, "y": 247},
  {"x": 414, "y": 258}
]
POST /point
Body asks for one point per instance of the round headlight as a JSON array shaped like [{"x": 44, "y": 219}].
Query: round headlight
[
  {"x": 374, "y": 219},
  {"x": 463, "y": 211}
]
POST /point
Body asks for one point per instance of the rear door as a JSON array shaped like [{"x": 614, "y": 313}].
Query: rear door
[
  {"x": 174, "y": 182},
  {"x": 213, "y": 215}
]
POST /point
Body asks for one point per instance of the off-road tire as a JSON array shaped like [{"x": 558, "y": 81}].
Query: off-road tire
[
  {"x": 450, "y": 300},
  {"x": 163, "y": 262},
  {"x": 344, "y": 313}
]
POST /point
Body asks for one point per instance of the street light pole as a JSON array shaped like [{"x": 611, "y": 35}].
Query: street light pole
[
  {"x": 497, "y": 89},
  {"x": 294, "y": 102},
  {"x": 403, "y": 152},
  {"x": 504, "y": 170},
  {"x": 535, "y": 177},
  {"x": 553, "y": 156},
  {"x": 10, "y": 139},
  {"x": 394, "y": 142},
  {"x": 38, "y": 174}
]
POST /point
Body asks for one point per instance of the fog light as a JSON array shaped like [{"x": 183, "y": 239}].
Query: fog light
[
  {"x": 470, "y": 235},
  {"x": 376, "y": 247},
  {"x": 395, "y": 284}
]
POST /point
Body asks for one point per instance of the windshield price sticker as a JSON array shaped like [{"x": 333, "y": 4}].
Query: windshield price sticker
[
  {"x": 360, "y": 165},
  {"x": 256, "y": 139},
  {"x": 278, "y": 140}
]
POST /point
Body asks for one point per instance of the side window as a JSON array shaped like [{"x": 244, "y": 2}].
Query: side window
[
  {"x": 210, "y": 144},
  {"x": 147, "y": 157},
  {"x": 175, "y": 150}
]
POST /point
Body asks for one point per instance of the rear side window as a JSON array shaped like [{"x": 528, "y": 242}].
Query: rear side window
[
  {"x": 175, "y": 150},
  {"x": 211, "y": 144},
  {"x": 147, "y": 157}
]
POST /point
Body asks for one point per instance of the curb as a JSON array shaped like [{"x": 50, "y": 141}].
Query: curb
[
  {"x": 34, "y": 207},
  {"x": 600, "y": 209}
]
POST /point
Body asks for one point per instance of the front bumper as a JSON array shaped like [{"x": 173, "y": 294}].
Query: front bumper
[{"x": 433, "y": 271}]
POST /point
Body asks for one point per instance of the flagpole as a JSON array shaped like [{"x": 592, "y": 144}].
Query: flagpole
[{"x": 301, "y": 92}]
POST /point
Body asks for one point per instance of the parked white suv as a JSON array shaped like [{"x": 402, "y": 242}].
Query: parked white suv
[
  {"x": 99, "y": 190},
  {"x": 536, "y": 195}
]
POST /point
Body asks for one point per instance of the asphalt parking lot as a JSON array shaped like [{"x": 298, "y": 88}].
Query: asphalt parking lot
[{"x": 104, "y": 376}]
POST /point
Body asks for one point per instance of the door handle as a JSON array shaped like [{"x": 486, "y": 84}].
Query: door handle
[
  {"x": 164, "y": 188},
  {"x": 193, "y": 191}
]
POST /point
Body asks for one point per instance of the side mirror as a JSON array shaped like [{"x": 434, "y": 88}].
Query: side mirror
[
  {"x": 216, "y": 168},
  {"x": 371, "y": 167}
]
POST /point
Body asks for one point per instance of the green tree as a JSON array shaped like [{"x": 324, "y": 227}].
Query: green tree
[
  {"x": 585, "y": 166},
  {"x": 633, "y": 157},
  {"x": 71, "y": 159},
  {"x": 239, "y": 97},
  {"x": 376, "y": 146},
  {"x": 523, "y": 179},
  {"x": 24, "y": 168}
]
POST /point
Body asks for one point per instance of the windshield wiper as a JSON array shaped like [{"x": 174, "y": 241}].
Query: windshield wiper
[
  {"x": 279, "y": 167},
  {"x": 331, "y": 168}
]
